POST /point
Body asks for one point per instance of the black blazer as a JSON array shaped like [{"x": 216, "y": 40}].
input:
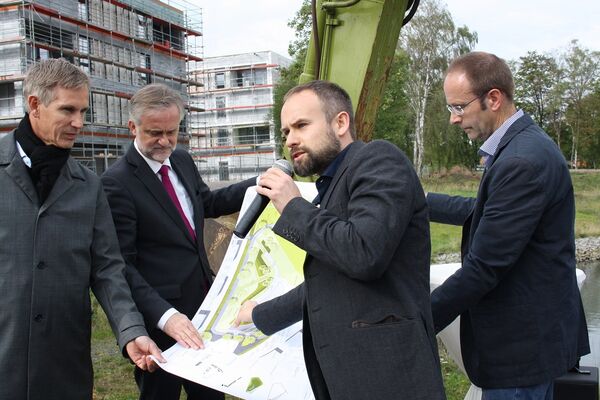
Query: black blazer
[
  {"x": 368, "y": 332},
  {"x": 522, "y": 320},
  {"x": 165, "y": 266}
]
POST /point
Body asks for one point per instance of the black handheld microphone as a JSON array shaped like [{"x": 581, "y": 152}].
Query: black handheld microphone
[{"x": 258, "y": 204}]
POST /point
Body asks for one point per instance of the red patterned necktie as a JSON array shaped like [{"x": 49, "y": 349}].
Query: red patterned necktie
[{"x": 164, "y": 174}]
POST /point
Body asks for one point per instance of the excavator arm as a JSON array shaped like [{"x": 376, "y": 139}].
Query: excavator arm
[{"x": 353, "y": 44}]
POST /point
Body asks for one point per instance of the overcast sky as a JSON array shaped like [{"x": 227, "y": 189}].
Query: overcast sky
[{"x": 508, "y": 28}]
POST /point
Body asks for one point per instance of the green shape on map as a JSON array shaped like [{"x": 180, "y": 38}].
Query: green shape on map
[{"x": 254, "y": 383}]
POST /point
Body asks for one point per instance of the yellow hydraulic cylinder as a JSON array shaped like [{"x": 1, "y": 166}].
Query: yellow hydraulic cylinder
[{"x": 356, "y": 44}]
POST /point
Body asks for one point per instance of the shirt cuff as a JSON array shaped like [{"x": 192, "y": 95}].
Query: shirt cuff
[{"x": 163, "y": 320}]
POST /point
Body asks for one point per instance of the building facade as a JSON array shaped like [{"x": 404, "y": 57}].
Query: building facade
[
  {"x": 234, "y": 137},
  {"x": 121, "y": 44}
]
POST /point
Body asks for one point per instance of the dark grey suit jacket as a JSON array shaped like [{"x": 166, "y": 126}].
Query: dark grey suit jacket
[
  {"x": 522, "y": 320},
  {"x": 165, "y": 266},
  {"x": 51, "y": 254},
  {"x": 368, "y": 331}
]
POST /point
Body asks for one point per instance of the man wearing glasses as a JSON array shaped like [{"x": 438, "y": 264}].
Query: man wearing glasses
[{"x": 522, "y": 321}]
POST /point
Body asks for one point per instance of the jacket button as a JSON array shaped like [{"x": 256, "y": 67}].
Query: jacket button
[
  {"x": 41, "y": 265},
  {"x": 38, "y": 318}
]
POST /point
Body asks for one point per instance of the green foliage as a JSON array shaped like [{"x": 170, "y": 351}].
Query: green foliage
[
  {"x": 393, "y": 121},
  {"x": 446, "y": 145},
  {"x": 582, "y": 76},
  {"x": 534, "y": 83},
  {"x": 302, "y": 25},
  {"x": 589, "y": 139}
]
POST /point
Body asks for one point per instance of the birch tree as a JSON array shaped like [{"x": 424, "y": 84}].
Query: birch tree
[
  {"x": 430, "y": 40},
  {"x": 581, "y": 76}
]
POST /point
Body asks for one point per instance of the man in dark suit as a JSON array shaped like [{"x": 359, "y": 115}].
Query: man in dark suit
[
  {"x": 522, "y": 321},
  {"x": 368, "y": 331},
  {"x": 159, "y": 202},
  {"x": 57, "y": 241}
]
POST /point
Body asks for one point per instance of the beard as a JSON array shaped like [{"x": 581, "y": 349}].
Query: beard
[
  {"x": 158, "y": 153},
  {"x": 316, "y": 160}
]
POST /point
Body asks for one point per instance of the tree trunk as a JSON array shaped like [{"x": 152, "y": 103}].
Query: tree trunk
[
  {"x": 574, "y": 151},
  {"x": 419, "y": 142}
]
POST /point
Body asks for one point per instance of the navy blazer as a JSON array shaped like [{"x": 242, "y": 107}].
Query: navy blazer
[
  {"x": 522, "y": 320},
  {"x": 165, "y": 266}
]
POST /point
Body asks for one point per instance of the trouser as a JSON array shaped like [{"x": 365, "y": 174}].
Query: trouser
[
  {"x": 542, "y": 391},
  {"x": 161, "y": 385}
]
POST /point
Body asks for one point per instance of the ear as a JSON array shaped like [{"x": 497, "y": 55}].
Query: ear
[
  {"x": 132, "y": 127},
  {"x": 341, "y": 123},
  {"x": 34, "y": 105},
  {"x": 495, "y": 99}
]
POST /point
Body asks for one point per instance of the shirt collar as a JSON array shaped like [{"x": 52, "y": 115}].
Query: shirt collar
[
  {"x": 337, "y": 161},
  {"x": 24, "y": 156},
  {"x": 154, "y": 165},
  {"x": 490, "y": 146},
  {"x": 326, "y": 177}
]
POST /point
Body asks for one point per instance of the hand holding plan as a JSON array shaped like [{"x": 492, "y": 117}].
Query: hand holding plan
[{"x": 180, "y": 328}]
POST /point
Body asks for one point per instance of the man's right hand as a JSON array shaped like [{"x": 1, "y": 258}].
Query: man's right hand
[{"x": 180, "y": 328}]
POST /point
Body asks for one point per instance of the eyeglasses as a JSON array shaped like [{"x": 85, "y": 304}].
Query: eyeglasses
[{"x": 459, "y": 109}]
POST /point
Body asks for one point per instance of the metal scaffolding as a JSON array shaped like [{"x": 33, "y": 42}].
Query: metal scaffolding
[
  {"x": 234, "y": 137},
  {"x": 122, "y": 45}
]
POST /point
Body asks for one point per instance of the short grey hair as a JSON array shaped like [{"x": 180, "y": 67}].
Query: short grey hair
[
  {"x": 45, "y": 76},
  {"x": 152, "y": 97}
]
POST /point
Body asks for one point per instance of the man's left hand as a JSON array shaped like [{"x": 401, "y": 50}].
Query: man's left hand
[{"x": 140, "y": 349}]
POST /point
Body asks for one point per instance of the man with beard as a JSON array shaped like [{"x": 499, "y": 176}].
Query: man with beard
[
  {"x": 368, "y": 331},
  {"x": 57, "y": 241},
  {"x": 159, "y": 202}
]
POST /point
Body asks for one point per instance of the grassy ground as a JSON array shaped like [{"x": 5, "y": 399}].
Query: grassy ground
[
  {"x": 114, "y": 376},
  {"x": 446, "y": 238}
]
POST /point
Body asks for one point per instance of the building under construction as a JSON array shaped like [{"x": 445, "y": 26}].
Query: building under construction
[
  {"x": 234, "y": 137},
  {"x": 122, "y": 45}
]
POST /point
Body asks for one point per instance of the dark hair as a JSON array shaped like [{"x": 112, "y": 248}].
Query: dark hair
[
  {"x": 333, "y": 100},
  {"x": 485, "y": 72}
]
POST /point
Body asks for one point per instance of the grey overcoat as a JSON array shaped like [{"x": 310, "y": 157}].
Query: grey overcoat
[{"x": 50, "y": 256}]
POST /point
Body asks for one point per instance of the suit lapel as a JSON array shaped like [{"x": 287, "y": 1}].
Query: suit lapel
[
  {"x": 17, "y": 170},
  {"x": 512, "y": 131},
  {"x": 64, "y": 183},
  {"x": 143, "y": 172},
  {"x": 356, "y": 146}
]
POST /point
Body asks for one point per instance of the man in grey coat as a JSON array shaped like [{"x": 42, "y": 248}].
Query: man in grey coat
[
  {"x": 368, "y": 331},
  {"x": 57, "y": 240}
]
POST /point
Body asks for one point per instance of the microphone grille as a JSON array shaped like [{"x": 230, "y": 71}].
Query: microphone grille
[{"x": 285, "y": 166}]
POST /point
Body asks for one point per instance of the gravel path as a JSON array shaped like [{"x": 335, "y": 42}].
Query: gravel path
[{"x": 588, "y": 249}]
